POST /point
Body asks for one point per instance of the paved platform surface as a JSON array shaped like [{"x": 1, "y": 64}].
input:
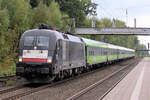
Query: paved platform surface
[{"x": 135, "y": 86}]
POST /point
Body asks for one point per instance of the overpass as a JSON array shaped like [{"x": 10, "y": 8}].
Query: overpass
[
  {"x": 113, "y": 31},
  {"x": 142, "y": 50}
]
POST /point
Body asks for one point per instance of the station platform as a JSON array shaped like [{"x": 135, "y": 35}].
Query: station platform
[{"x": 135, "y": 86}]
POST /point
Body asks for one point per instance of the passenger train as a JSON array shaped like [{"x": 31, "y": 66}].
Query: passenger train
[{"x": 46, "y": 55}]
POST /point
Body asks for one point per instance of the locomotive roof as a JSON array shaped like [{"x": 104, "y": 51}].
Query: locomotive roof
[
  {"x": 58, "y": 35},
  {"x": 74, "y": 38},
  {"x": 43, "y": 32}
]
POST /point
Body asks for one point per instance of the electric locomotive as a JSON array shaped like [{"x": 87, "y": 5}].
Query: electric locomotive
[{"x": 45, "y": 55}]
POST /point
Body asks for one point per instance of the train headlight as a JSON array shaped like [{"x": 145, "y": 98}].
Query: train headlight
[
  {"x": 49, "y": 60},
  {"x": 20, "y": 59}
]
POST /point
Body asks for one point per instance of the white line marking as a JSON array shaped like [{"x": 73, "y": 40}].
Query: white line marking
[{"x": 137, "y": 89}]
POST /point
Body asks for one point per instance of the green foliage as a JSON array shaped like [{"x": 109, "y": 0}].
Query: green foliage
[
  {"x": 89, "y": 7},
  {"x": 105, "y": 22},
  {"x": 55, "y": 15},
  {"x": 86, "y": 23},
  {"x": 77, "y": 9},
  {"x": 119, "y": 23},
  {"x": 50, "y": 15},
  {"x": 10, "y": 83},
  {"x": 4, "y": 24},
  {"x": 142, "y": 53},
  {"x": 9, "y": 70},
  {"x": 40, "y": 15},
  {"x": 35, "y": 3}
]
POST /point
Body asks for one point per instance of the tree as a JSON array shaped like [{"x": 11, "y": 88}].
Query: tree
[
  {"x": 18, "y": 13},
  {"x": 105, "y": 22},
  {"x": 40, "y": 15},
  {"x": 77, "y": 9},
  {"x": 89, "y": 7},
  {"x": 4, "y": 24},
  {"x": 86, "y": 22},
  {"x": 35, "y": 3},
  {"x": 119, "y": 23},
  {"x": 55, "y": 15}
]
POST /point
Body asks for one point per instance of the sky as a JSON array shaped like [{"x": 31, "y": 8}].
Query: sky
[{"x": 127, "y": 10}]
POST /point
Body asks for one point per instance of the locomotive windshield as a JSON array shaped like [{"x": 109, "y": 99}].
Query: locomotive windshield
[
  {"x": 29, "y": 41},
  {"x": 41, "y": 41}
]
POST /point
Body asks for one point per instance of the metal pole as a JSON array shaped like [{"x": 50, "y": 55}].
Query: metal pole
[
  {"x": 134, "y": 22},
  {"x": 114, "y": 23},
  {"x": 93, "y": 22},
  {"x": 127, "y": 17}
]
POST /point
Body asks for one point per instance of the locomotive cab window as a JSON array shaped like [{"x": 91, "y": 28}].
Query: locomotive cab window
[
  {"x": 42, "y": 41},
  {"x": 29, "y": 41}
]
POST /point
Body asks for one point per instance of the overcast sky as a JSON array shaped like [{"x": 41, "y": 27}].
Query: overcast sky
[{"x": 127, "y": 10}]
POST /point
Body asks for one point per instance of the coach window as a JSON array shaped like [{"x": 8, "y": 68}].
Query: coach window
[
  {"x": 93, "y": 53},
  {"x": 89, "y": 51},
  {"x": 96, "y": 51},
  {"x": 99, "y": 51},
  {"x": 114, "y": 51},
  {"x": 102, "y": 51},
  {"x": 111, "y": 51}
]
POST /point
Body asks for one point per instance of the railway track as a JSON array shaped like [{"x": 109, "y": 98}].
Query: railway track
[
  {"x": 4, "y": 79},
  {"x": 33, "y": 90},
  {"x": 83, "y": 92},
  {"x": 11, "y": 89},
  {"x": 7, "y": 77}
]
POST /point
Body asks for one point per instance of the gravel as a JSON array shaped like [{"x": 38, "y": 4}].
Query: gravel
[{"x": 69, "y": 88}]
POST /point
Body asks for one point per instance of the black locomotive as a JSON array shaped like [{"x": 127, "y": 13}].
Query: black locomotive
[{"x": 47, "y": 54}]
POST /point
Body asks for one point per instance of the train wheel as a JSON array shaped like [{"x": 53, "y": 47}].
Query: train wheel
[
  {"x": 75, "y": 71},
  {"x": 70, "y": 72},
  {"x": 57, "y": 77}
]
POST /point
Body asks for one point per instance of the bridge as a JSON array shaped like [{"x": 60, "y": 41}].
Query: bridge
[
  {"x": 142, "y": 50},
  {"x": 113, "y": 31}
]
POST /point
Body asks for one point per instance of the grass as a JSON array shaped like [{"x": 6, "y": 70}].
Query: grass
[
  {"x": 7, "y": 67},
  {"x": 10, "y": 83}
]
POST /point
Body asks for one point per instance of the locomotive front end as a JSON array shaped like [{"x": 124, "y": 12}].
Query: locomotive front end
[{"x": 36, "y": 50}]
